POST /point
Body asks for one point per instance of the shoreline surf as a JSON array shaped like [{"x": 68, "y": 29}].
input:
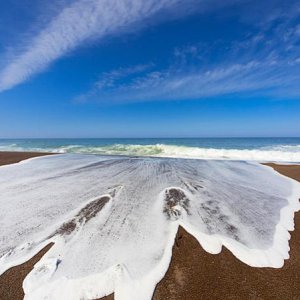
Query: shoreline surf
[
  {"x": 269, "y": 149},
  {"x": 188, "y": 239}
]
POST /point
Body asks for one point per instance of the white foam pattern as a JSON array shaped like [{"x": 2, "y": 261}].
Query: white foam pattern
[{"x": 113, "y": 220}]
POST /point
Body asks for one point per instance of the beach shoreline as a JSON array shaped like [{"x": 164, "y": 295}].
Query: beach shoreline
[
  {"x": 194, "y": 273},
  {"x": 11, "y": 157}
]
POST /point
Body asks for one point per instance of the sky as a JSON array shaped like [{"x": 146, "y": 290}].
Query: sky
[{"x": 155, "y": 68}]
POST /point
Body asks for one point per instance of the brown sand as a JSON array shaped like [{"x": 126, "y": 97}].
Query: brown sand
[
  {"x": 193, "y": 273},
  {"x": 7, "y": 158},
  {"x": 11, "y": 281}
]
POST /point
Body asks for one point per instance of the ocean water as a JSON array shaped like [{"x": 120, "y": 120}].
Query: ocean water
[{"x": 260, "y": 149}]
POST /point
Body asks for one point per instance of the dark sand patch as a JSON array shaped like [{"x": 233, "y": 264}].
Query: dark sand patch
[
  {"x": 92, "y": 209},
  {"x": 193, "y": 273},
  {"x": 292, "y": 171},
  {"x": 173, "y": 199},
  {"x": 7, "y": 158},
  {"x": 85, "y": 214},
  {"x": 222, "y": 276},
  {"x": 11, "y": 281}
]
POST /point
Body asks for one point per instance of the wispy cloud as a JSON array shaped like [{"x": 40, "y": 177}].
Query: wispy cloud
[
  {"x": 267, "y": 78},
  {"x": 264, "y": 63},
  {"x": 256, "y": 63},
  {"x": 111, "y": 80},
  {"x": 76, "y": 23}
]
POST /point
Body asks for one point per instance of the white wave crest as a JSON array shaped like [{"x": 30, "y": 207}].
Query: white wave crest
[
  {"x": 279, "y": 153},
  {"x": 282, "y": 153}
]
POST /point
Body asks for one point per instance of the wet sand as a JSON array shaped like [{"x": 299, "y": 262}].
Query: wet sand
[
  {"x": 11, "y": 281},
  {"x": 193, "y": 273},
  {"x": 7, "y": 158}
]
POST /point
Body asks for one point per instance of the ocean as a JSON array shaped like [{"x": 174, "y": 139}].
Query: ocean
[{"x": 260, "y": 149}]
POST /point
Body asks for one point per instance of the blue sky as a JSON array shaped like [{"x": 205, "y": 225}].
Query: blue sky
[{"x": 134, "y": 68}]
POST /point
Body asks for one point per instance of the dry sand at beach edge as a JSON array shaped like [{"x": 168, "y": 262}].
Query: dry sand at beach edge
[{"x": 193, "y": 273}]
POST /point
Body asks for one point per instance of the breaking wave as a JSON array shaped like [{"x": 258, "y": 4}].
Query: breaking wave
[{"x": 283, "y": 153}]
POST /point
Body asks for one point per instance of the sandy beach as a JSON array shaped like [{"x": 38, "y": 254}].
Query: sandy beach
[
  {"x": 7, "y": 158},
  {"x": 194, "y": 273}
]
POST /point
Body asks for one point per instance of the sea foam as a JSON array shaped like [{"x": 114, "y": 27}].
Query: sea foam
[
  {"x": 282, "y": 153},
  {"x": 113, "y": 220}
]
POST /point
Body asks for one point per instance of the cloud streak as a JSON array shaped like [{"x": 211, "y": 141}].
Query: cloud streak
[
  {"x": 265, "y": 78},
  {"x": 81, "y": 21},
  {"x": 265, "y": 64}
]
